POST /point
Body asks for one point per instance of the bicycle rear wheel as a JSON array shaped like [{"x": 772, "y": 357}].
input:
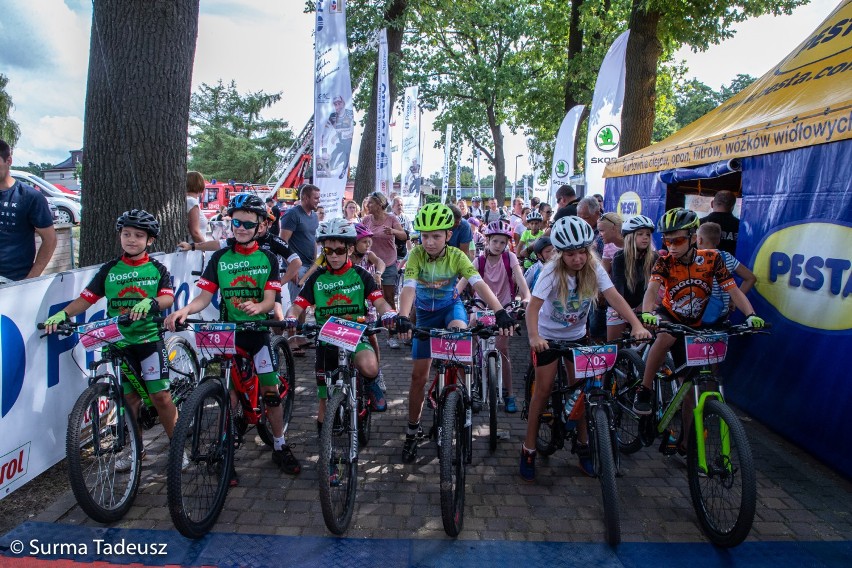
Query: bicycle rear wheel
[
  {"x": 184, "y": 372},
  {"x": 725, "y": 496},
  {"x": 605, "y": 471},
  {"x": 492, "y": 402},
  {"x": 452, "y": 454},
  {"x": 204, "y": 437},
  {"x": 338, "y": 465},
  {"x": 286, "y": 388},
  {"x": 103, "y": 492},
  {"x": 628, "y": 372}
]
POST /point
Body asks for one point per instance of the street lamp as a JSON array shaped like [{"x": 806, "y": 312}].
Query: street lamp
[{"x": 516, "y": 176}]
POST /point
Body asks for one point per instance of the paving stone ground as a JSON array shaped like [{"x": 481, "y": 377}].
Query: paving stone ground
[{"x": 799, "y": 499}]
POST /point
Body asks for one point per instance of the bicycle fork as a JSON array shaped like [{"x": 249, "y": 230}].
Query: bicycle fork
[{"x": 698, "y": 420}]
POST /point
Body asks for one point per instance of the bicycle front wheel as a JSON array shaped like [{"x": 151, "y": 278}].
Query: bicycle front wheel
[
  {"x": 452, "y": 454},
  {"x": 724, "y": 496},
  {"x": 201, "y": 457},
  {"x": 628, "y": 371},
  {"x": 492, "y": 403},
  {"x": 605, "y": 471},
  {"x": 338, "y": 464},
  {"x": 184, "y": 372},
  {"x": 104, "y": 477}
]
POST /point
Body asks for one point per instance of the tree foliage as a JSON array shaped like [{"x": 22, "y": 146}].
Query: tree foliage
[
  {"x": 229, "y": 139},
  {"x": 33, "y": 168},
  {"x": 9, "y": 130},
  {"x": 695, "y": 99}
]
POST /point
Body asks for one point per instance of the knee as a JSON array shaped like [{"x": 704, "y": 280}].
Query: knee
[{"x": 162, "y": 399}]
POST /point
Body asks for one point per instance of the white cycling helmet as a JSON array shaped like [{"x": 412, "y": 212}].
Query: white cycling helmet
[
  {"x": 635, "y": 223},
  {"x": 571, "y": 233},
  {"x": 534, "y": 216},
  {"x": 339, "y": 229}
]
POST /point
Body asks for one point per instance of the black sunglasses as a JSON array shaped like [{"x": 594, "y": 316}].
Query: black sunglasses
[{"x": 244, "y": 224}]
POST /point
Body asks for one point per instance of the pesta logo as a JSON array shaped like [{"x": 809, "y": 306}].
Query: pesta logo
[
  {"x": 805, "y": 271},
  {"x": 122, "y": 277},
  {"x": 233, "y": 266},
  {"x": 13, "y": 364},
  {"x": 629, "y": 205},
  {"x": 13, "y": 465}
]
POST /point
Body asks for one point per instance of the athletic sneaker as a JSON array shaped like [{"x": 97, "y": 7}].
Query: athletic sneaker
[
  {"x": 511, "y": 407},
  {"x": 527, "y": 468},
  {"x": 376, "y": 396},
  {"x": 380, "y": 380},
  {"x": 393, "y": 342},
  {"x": 285, "y": 459},
  {"x": 125, "y": 460},
  {"x": 642, "y": 400},
  {"x": 186, "y": 463},
  {"x": 587, "y": 464},
  {"x": 409, "y": 449}
]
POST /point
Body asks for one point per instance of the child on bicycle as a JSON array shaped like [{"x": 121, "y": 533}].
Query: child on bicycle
[
  {"x": 135, "y": 285},
  {"x": 248, "y": 278},
  {"x": 561, "y": 300},
  {"x": 686, "y": 276},
  {"x": 631, "y": 269},
  {"x": 544, "y": 250},
  {"x": 501, "y": 272},
  {"x": 431, "y": 274},
  {"x": 533, "y": 232},
  {"x": 342, "y": 289}
]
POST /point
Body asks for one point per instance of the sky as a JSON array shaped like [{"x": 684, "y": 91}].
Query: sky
[{"x": 267, "y": 45}]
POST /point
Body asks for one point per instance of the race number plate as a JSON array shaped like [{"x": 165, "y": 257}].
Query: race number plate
[
  {"x": 454, "y": 346},
  {"x": 97, "y": 334},
  {"x": 216, "y": 338},
  {"x": 486, "y": 317},
  {"x": 706, "y": 349},
  {"x": 342, "y": 333},
  {"x": 594, "y": 361}
]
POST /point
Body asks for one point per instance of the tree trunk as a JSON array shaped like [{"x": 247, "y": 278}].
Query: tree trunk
[
  {"x": 137, "y": 114},
  {"x": 499, "y": 157},
  {"x": 365, "y": 175},
  {"x": 640, "y": 86},
  {"x": 575, "y": 48}
]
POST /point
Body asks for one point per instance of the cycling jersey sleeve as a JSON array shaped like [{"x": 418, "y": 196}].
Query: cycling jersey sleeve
[
  {"x": 209, "y": 281},
  {"x": 306, "y": 297},
  {"x": 721, "y": 273},
  {"x": 274, "y": 281},
  {"x": 164, "y": 286},
  {"x": 96, "y": 288}
]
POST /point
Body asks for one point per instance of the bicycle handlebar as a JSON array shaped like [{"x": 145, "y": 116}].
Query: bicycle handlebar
[
  {"x": 729, "y": 329},
  {"x": 479, "y": 330}
]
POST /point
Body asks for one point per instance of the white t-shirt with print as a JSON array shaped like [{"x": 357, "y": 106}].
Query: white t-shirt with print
[{"x": 556, "y": 321}]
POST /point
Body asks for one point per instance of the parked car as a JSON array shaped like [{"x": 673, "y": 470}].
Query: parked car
[{"x": 68, "y": 207}]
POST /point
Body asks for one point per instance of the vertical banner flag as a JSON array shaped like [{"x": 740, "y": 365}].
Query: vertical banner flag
[
  {"x": 526, "y": 190},
  {"x": 478, "y": 186},
  {"x": 383, "y": 153},
  {"x": 445, "y": 186},
  {"x": 535, "y": 161},
  {"x": 458, "y": 173},
  {"x": 334, "y": 124},
  {"x": 410, "y": 170},
  {"x": 605, "y": 116},
  {"x": 563, "y": 153}
]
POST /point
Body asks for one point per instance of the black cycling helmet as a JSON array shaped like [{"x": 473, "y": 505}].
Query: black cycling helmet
[
  {"x": 247, "y": 202},
  {"x": 678, "y": 219},
  {"x": 540, "y": 244},
  {"x": 139, "y": 219}
]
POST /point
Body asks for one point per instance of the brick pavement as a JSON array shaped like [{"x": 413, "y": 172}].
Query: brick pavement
[{"x": 799, "y": 499}]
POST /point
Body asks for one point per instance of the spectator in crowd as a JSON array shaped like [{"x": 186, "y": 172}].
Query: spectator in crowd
[
  {"x": 352, "y": 212},
  {"x": 321, "y": 214},
  {"x": 24, "y": 212},
  {"x": 462, "y": 234},
  {"x": 723, "y": 206},
  {"x": 534, "y": 202},
  {"x": 609, "y": 228},
  {"x": 589, "y": 210},
  {"x": 396, "y": 208},
  {"x": 566, "y": 202},
  {"x": 196, "y": 222},
  {"x": 494, "y": 213},
  {"x": 720, "y": 305},
  {"x": 546, "y": 213},
  {"x": 599, "y": 197},
  {"x": 476, "y": 207},
  {"x": 275, "y": 225},
  {"x": 462, "y": 204},
  {"x": 299, "y": 228}
]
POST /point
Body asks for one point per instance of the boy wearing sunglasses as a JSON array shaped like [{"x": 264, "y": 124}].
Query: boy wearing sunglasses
[
  {"x": 341, "y": 289},
  {"x": 686, "y": 275},
  {"x": 248, "y": 278}
]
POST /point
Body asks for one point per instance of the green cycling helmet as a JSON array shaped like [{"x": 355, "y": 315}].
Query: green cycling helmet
[
  {"x": 678, "y": 219},
  {"x": 434, "y": 217}
]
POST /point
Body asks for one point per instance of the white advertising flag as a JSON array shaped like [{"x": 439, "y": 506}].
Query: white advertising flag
[
  {"x": 445, "y": 186},
  {"x": 605, "y": 115},
  {"x": 563, "y": 152},
  {"x": 458, "y": 174},
  {"x": 334, "y": 117},
  {"x": 383, "y": 152},
  {"x": 410, "y": 171}
]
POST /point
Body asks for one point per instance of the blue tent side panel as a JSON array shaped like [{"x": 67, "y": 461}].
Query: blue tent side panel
[
  {"x": 648, "y": 187},
  {"x": 797, "y": 379}
]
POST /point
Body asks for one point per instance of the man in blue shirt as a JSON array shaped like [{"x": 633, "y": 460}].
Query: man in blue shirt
[
  {"x": 462, "y": 233},
  {"x": 23, "y": 212},
  {"x": 299, "y": 227}
]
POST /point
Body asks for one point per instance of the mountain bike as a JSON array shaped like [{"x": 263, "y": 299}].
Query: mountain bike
[
  {"x": 720, "y": 466},
  {"x": 589, "y": 399},
  {"x": 487, "y": 365},
  {"x": 100, "y": 432},
  {"x": 209, "y": 429},
  {"x": 449, "y": 397},
  {"x": 348, "y": 419}
]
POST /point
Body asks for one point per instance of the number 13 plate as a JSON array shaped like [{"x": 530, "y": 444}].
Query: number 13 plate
[{"x": 706, "y": 349}]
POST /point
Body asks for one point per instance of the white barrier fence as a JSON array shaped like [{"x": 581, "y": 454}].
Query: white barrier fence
[{"x": 40, "y": 379}]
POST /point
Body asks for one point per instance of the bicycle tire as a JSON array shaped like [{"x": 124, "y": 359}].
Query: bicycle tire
[
  {"x": 492, "y": 403},
  {"x": 725, "y": 527},
  {"x": 452, "y": 454},
  {"x": 97, "y": 495},
  {"x": 529, "y": 380},
  {"x": 605, "y": 471},
  {"x": 286, "y": 390},
  {"x": 365, "y": 415},
  {"x": 184, "y": 372},
  {"x": 196, "y": 494},
  {"x": 628, "y": 371},
  {"x": 336, "y": 446}
]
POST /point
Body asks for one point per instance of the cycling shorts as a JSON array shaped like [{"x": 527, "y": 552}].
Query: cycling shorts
[
  {"x": 257, "y": 344},
  {"x": 439, "y": 319},
  {"x": 327, "y": 361},
  {"x": 153, "y": 361}
]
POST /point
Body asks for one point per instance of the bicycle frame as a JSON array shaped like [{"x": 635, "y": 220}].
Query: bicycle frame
[
  {"x": 347, "y": 381},
  {"x": 444, "y": 388}
]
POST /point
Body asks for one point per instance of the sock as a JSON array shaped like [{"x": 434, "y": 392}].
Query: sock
[
  {"x": 280, "y": 443},
  {"x": 526, "y": 450},
  {"x": 319, "y": 427},
  {"x": 412, "y": 429}
]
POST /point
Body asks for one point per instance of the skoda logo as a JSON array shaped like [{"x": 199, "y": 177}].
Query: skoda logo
[
  {"x": 607, "y": 138},
  {"x": 13, "y": 364},
  {"x": 561, "y": 168}
]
